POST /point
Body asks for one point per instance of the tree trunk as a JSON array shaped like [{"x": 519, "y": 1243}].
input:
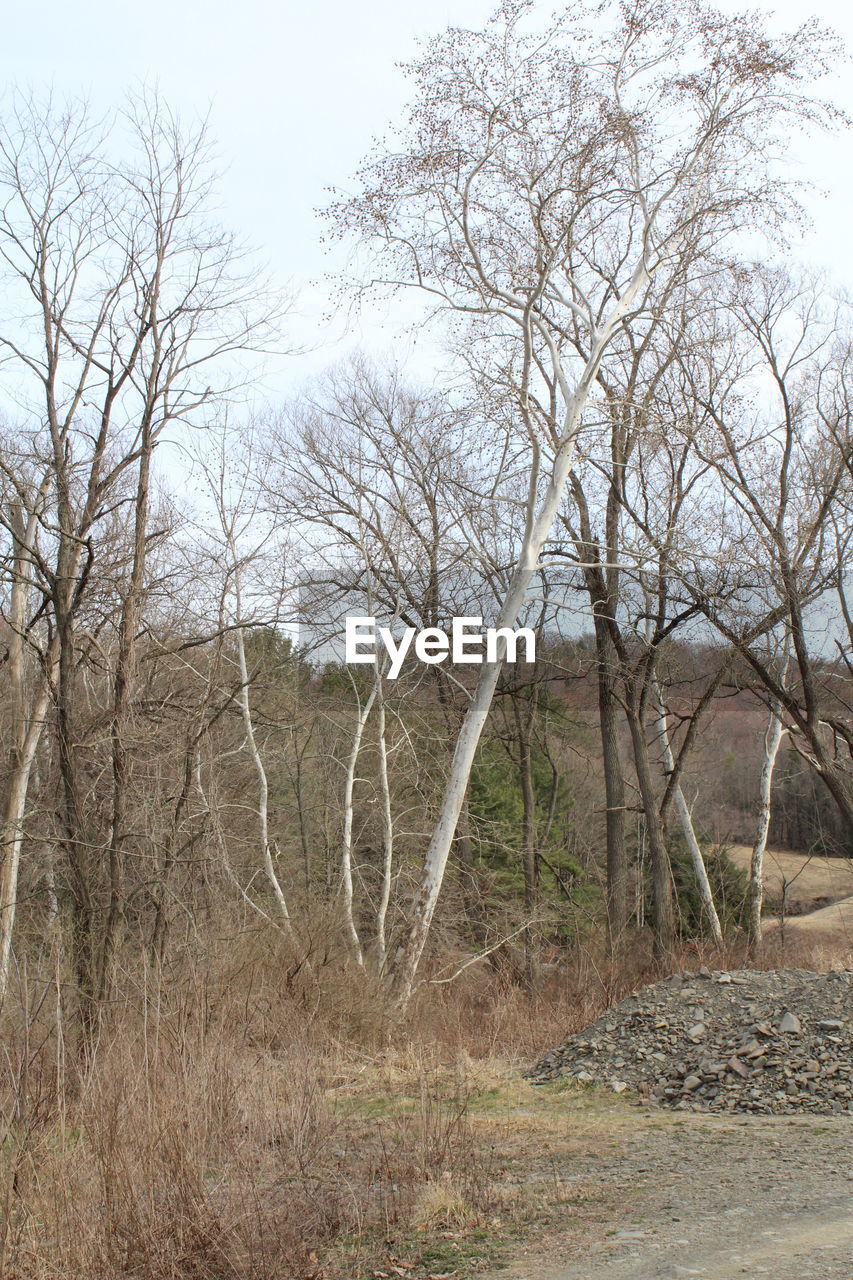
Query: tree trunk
[
  {"x": 260, "y": 770},
  {"x": 26, "y": 731},
  {"x": 662, "y": 913},
  {"x": 699, "y": 869},
  {"x": 364, "y": 710},
  {"x": 539, "y": 524},
  {"x": 755, "y": 889},
  {"x": 24, "y": 754},
  {"x": 387, "y": 830},
  {"x": 529, "y": 858},
  {"x": 75, "y": 836},
  {"x": 122, "y": 684},
  {"x": 614, "y": 792}
]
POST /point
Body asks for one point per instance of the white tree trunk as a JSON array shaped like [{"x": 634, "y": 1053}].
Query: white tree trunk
[
  {"x": 29, "y": 719},
  {"x": 539, "y": 523},
  {"x": 263, "y": 785},
  {"x": 13, "y": 820},
  {"x": 251, "y": 741},
  {"x": 387, "y": 831},
  {"x": 755, "y": 889},
  {"x": 364, "y": 710},
  {"x": 706, "y": 893}
]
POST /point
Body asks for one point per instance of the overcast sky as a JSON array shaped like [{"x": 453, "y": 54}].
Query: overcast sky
[{"x": 296, "y": 94}]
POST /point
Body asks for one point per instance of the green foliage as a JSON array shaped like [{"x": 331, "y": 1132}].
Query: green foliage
[
  {"x": 350, "y": 684},
  {"x": 494, "y": 801},
  {"x": 269, "y": 649},
  {"x": 728, "y": 884},
  {"x": 496, "y": 813}
]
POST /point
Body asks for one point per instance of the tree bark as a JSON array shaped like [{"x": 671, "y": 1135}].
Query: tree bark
[
  {"x": 662, "y": 909},
  {"x": 364, "y": 710},
  {"x": 28, "y": 723},
  {"x": 614, "y": 792},
  {"x": 699, "y": 869},
  {"x": 28, "y": 735},
  {"x": 122, "y": 683},
  {"x": 387, "y": 829},
  {"x": 755, "y": 889},
  {"x": 529, "y": 855}
]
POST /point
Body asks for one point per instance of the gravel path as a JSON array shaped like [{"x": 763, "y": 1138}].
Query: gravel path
[
  {"x": 735, "y": 1157},
  {"x": 715, "y": 1196}
]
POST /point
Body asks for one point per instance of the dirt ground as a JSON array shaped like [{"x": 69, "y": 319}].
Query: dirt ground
[
  {"x": 810, "y": 879},
  {"x": 837, "y": 919},
  {"x": 820, "y": 890},
  {"x": 648, "y": 1195}
]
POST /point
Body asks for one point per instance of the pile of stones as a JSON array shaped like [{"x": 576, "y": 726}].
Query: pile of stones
[{"x": 777, "y": 1041}]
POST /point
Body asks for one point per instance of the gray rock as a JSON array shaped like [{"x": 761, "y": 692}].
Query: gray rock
[{"x": 741, "y": 1058}]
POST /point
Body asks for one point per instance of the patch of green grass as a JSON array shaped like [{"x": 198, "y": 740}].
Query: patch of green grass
[
  {"x": 493, "y": 1099},
  {"x": 446, "y": 1255}
]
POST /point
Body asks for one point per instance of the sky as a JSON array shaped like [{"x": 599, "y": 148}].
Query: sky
[{"x": 296, "y": 95}]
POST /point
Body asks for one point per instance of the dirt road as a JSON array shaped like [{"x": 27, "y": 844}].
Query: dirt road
[
  {"x": 713, "y": 1196},
  {"x": 837, "y": 918},
  {"x": 810, "y": 878},
  {"x": 820, "y": 1246}
]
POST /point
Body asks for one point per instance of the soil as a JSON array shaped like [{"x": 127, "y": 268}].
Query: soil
[
  {"x": 836, "y": 918},
  {"x": 704, "y": 1195},
  {"x": 819, "y": 890}
]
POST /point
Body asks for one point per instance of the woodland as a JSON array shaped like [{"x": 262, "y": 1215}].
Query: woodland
[{"x": 235, "y": 867}]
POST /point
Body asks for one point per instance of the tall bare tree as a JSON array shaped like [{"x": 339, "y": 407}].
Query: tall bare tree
[
  {"x": 123, "y": 304},
  {"x": 548, "y": 179},
  {"x": 777, "y": 584}
]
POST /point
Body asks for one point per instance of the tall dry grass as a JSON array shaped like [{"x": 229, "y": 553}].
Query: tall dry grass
[{"x": 241, "y": 1117}]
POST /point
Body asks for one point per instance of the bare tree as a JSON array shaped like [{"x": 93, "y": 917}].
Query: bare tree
[
  {"x": 685, "y": 818},
  {"x": 30, "y": 671},
  {"x": 755, "y": 891},
  {"x": 122, "y": 304},
  {"x": 385, "y": 494},
  {"x": 558, "y": 178},
  {"x": 784, "y": 475},
  {"x": 240, "y": 544}
]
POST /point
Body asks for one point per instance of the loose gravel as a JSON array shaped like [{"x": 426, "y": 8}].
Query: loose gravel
[{"x": 737, "y": 1041}]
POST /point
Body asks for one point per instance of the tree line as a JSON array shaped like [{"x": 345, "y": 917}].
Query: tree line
[{"x": 638, "y": 426}]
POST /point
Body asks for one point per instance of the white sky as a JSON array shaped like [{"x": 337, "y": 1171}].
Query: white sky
[{"x": 296, "y": 95}]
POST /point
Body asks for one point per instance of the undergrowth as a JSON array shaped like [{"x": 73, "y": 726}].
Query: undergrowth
[{"x": 231, "y": 1123}]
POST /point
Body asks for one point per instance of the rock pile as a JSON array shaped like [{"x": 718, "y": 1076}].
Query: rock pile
[{"x": 777, "y": 1041}]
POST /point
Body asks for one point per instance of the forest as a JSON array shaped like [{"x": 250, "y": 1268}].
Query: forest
[{"x": 224, "y": 847}]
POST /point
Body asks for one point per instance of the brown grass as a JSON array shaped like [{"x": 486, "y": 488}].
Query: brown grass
[
  {"x": 234, "y": 1123},
  {"x": 809, "y": 878}
]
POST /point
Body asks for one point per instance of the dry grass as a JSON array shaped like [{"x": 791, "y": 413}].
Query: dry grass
[
  {"x": 836, "y": 920},
  {"x": 809, "y": 878},
  {"x": 237, "y": 1122}
]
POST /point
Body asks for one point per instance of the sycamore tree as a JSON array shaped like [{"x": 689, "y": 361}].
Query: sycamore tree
[
  {"x": 547, "y": 183},
  {"x": 775, "y": 581}
]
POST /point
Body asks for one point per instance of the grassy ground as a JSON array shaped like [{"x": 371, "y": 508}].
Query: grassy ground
[
  {"x": 228, "y": 1128},
  {"x": 810, "y": 879},
  {"x": 523, "y": 1141}
]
